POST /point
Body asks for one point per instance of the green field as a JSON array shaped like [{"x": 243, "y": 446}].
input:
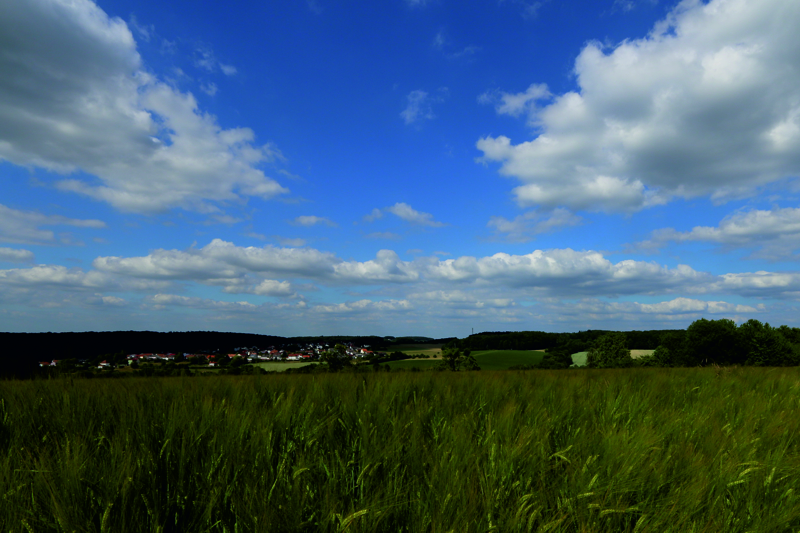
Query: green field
[
  {"x": 487, "y": 360},
  {"x": 502, "y": 359},
  {"x": 277, "y": 366},
  {"x": 422, "y": 364},
  {"x": 432, "y": 350},
  {"x": 638, "y": 450},
  {"x": 579, "y": 359}
]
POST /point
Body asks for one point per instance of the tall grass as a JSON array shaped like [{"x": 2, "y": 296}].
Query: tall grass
[{"x": 644, "y": 450}]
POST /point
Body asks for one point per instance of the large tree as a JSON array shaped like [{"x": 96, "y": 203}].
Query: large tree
[
  {"x": 455, "y": 359},
  {"x": 714, "y": 341},
  {"x": 765, "y": 345},
  {"x": 609, "y": 351}
]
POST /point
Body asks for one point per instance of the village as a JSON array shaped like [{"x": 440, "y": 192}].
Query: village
[{"x": 310, "y": 352}]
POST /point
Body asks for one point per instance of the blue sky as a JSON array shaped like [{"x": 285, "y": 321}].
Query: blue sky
[{"x": 403, "y": 167}]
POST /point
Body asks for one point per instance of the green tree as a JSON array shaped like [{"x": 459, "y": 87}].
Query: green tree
[
  {"x": 455, "y": 359},
  {"x": 609, "y": 351},
  {"x": 336, "y": 358},
  {"x": 556, "y": 358},
  {"x": 765, "y": 345},
  {"x": 713, "y": 341}
]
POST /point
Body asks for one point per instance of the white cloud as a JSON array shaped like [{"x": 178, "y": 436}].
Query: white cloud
[
  {"x": 374, "y": 215},
  {"x": 775, "y": 232},
  {"x": 222, "y": 260},
  {"x": 562, "y": 272},
  {"x": 207, "y": 60},
  {"x": 160, "y": 301},
  {"x": 24, "y": 227},
  {"x": 517, "y": 104},
  {"x": 145, "y": 31},
  {"x": 228, "y": 70},
  {"x": 405, "y": 212},
  {"x": 442, "y": 44},
  {"x": 310, "y": 220},
  {"x": 707, "y": 104},
  {"x": 363, "y": 307},
  {"x": 551, "y": 288},
  {"x": 63, "y": 278},
  {"x": 11, "y": 255},
  {"x": 209, "y": 88},
  {"x": 524, "y": 227},
  {"x": 411, "y": 215},
  {"x": 96, "y": 109},
  {"x": 420, "y": 105}
]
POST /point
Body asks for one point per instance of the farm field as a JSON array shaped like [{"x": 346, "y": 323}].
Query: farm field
[
  {"x": 277, "y": 366},
  {"x": 487, "y": 360},
  {"x": 406, "y": 364},
  {"x": 503, "y": 359},
  {"x": 433, "y": 350},
  {"x": 647, "y": 449},
  {"x": 579, "y": 359}
]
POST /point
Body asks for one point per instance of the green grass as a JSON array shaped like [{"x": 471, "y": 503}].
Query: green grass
[
  {"x": 644, "y": 450},
  {"x": 422, "y": 364},
  {"x": 277, "y": 366},
  {"x": 417, "y": 349},
  {"x": 503, "y": 359}
]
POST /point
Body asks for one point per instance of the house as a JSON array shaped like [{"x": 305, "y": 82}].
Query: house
[
  {"x": 44, "y": 363},
  {"x": 104, "y": 364}
]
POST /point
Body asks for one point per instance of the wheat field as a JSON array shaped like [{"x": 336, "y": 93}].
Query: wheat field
[{"x": 638, "y": 450}]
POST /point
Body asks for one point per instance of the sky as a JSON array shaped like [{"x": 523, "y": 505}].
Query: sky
[{"x": 401, "y": 167}]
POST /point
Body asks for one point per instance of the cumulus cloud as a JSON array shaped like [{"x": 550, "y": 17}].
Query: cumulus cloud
[
  {"x": 524, "y": 227},
  {"x": 160, "y": 301},
  {"x": 11, "y": 255},
  {"x": 560, "y": 286},
  {"x": 222, "y": 260},
  {"x": 71, "y": 279},
  {"x": 678, "y": 312},
  {"x": 707, "y": 104},
  {"x": 310, "y": 220},
  {"x": 776, "y": 232},
  {"x": 25, "y": 227},
  {"x": 562, "y": 271},
  {"x": 75, "y": 97},
  {"x": 363, "y": 307}
]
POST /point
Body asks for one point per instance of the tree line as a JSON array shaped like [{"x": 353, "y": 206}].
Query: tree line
[{"x": 705, "y": 342}]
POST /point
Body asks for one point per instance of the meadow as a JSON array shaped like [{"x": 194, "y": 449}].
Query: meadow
[
  {"x": 487, "y": 360},
  {"x": 638, "y": 450}
]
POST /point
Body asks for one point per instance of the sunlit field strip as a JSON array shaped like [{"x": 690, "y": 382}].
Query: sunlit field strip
[{"x": 576, "y": 450}]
